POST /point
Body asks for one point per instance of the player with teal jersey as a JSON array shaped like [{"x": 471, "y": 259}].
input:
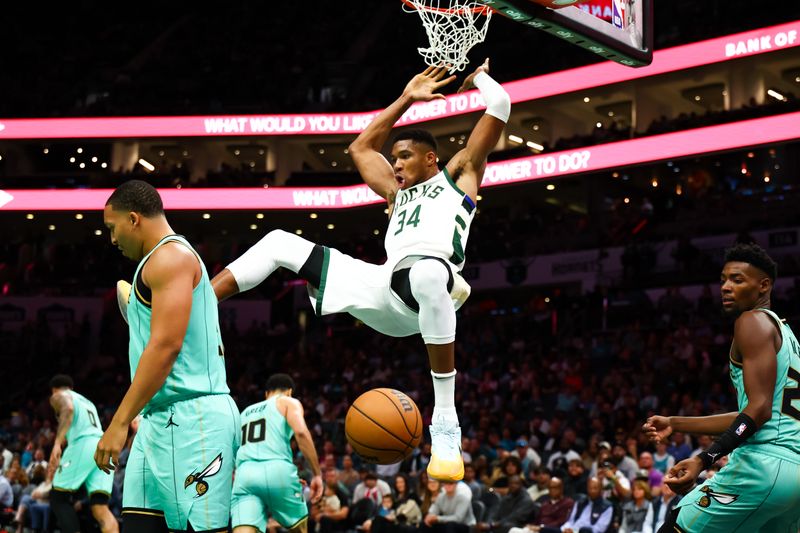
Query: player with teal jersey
[
  {"x": 266, "y": 481},
  {"x": 757, "y": 491},
  {"x": 72, "y": 468},
  {"x": 179, "y": 471}
]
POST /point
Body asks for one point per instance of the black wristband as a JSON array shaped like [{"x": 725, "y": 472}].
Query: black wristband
[{"x": 733, "y": 437}]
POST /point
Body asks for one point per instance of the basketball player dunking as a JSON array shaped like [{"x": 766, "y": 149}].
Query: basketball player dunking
[
  {"x": 757, "y": 490},
  {"x": 419, "y": 288}
]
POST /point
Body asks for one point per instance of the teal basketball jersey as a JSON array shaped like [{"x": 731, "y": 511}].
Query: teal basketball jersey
[
  {"x": 783, "y": 429},
  {"x": 266, "y": 435},
  {"x": 199, "y": 369},
  {"x": 85, "y": 421}
]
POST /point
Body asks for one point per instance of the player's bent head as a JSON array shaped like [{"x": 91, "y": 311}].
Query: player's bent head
[
  {"x": 61, "y": 381},
  {"x": 279, "y": 382},
  {"x": 747, "y": 276},
  {"x": 137, "y": 196}
]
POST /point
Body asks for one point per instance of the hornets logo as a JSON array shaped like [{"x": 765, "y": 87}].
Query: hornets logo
[
  {"x": 201, "y": 486},
  {"x": 719, "y": 497}
]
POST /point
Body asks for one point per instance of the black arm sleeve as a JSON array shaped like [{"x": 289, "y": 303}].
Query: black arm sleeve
[{"x": 733, "y": 437}]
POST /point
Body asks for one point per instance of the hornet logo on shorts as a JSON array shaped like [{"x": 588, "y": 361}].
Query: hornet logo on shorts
[
  {"x": 719, "y": 497},
  {"x": 201, "y": 485}
]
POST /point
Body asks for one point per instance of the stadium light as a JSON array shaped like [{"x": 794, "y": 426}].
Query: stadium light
[{"x": 147, "y": 164}]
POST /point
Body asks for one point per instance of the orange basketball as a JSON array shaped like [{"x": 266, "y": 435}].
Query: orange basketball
[{"x": 383, "y": 426}]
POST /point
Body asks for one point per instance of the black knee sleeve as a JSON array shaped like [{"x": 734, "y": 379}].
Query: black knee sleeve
[
  {"x": 311, "y": 271},
  {"x": 99, "y": 498},
  {"x": 61, "y": 504}
]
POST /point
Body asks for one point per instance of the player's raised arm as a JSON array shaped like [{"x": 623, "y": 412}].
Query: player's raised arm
[
  {"x": 468, "y": 165},
  {"x": 170, "y": 273},
  {"x": 375, "y": 170},
  {"x": 296, "y": 420}
]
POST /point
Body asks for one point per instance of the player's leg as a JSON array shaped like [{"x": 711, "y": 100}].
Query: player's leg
[
  {"x": 248, "y": 511},
  {"x": 277, "y": 249},
  {"x": 245, "y": 529},
  {"x": 62, "y": 505},
  {"x": 284, "y": 496},
  {"x": 741, "y": 497},
  {"x": 141, "y": 505},
  {"x": 99, "y": 485},
  {"x": 430, "y": 282},
  {"x": 75, "y": 467}
]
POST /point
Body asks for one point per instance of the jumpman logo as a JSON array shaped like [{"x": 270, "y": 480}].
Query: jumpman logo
[{"x": 170, "y": 422}]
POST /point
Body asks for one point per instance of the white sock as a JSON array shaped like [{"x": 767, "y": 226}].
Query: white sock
[
  {"x": 277, "y": 249},
  {"x": 444, "y": 394}
]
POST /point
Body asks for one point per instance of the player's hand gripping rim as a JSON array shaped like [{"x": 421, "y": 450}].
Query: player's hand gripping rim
[{"x": 469, "y": 81}]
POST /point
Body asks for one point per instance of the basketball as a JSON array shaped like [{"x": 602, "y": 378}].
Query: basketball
[{"x": 383, "y": 426}]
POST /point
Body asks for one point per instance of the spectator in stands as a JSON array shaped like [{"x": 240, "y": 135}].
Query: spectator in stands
[
  {"x": 527, "y": 455},
  {"x": 18, "y": 480},
  {"x": 603, "y": 454},
  {"x": 647, "y": 470},
  {"x": 624, "y": 462},
  {"x": 472, "y": 482},
  {"x": 541, "y": 487},
  {"x": 513, "y": 510},
  {"x": 703, "y": 442},
  {"x": 679, "y": 447},
  {"x": 575, "y": 482},
  {"x": 555, "y": 509},
  {"x": 662, "y": 460},
  {"x": 6, "y": 492},
  {"x": 616, "y": 486},
  {"x": 659, "y": 508},
  {"x": 6, "y": 455},
  {"x": 509, "y": 466},
  {"x": 634, "y": 511},
  {"x": 329, "y": 518},
  {"x": 451, "y": 512},
  {"x": 38, "y": 459},
  {"x": 34, "y": 508},
  {"x": 372, "y": 488},
  {"x": 591, "y": 514},
  {"x": 558, "y": 461},
  {"x": 431, "y": 489},
  {"x": 348, "y": 475}
]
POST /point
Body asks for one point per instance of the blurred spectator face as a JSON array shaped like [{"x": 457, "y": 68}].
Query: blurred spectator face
[
  {"x": 704, "y": 441},
  {"x": 400, "y": 485},
  {"x": 638, "y": 491},
  {"x": 618, "y": 453},
  {"x": 38, "y": 455},
  {"x": 603, "y": 455},
  {"x": 433, "y": 486},
  {"x": 515, "y": 484},
  {"x": 556, "y": 489},
  {"x": 661, "y": 448},
  {"x": 543, "y": 478},
  {"x": 347, "y": 462},
  {"x": 328, "y": 448},
  {"x": 449, "y": 488},
  {"x": 575, "y": 468},
  {"x": 370, "y": 482},
  {"x": 469, "y": 473},
  {"x": 646, "y": 460},
  {"x": 594, "y": 488},
  {"x": 564, "y": 445},
  {"x": 330, "y": 478},
  {"x": 678, "y": 438},
  {"x": 387, "y": 501},
  {"x": 511, "y": 468},
  {"x": 330, "y": 462}
]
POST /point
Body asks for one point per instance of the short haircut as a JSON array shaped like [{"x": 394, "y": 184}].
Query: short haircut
[
  {"x": 59, "y": 381},
  {"x": 418, "y": 136},
  {"x": 280, "y": 382},
  {"x": 137, "y": 196},
  {"x": 754, "y": 255}
]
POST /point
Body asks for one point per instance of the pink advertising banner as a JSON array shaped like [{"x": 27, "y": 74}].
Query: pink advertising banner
[
  {"x": 710, "y": 139},
  {"x": 669, "y": 60}
]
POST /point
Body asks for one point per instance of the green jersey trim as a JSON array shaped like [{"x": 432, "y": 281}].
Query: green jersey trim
[
  {"x": 451, "y": 182},
  {"x": 326, "y": 257}
]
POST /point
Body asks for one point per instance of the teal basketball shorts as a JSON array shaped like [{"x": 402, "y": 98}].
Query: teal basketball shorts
[
  {"x": 77, "y": 467},
  {"x": 757, "y": 491},
  {"x": 267, "y": 488},
  {"x": 181, "y": 463}
]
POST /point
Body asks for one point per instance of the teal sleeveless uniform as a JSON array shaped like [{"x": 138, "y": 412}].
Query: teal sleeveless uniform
[
  {"x": 77, "y": 466},
  {"x": 182, "y": 458},
  {"x": 266, "y": 481},
  {"x": 759, "y": 489}
]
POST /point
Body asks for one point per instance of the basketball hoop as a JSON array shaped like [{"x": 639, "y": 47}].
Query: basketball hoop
[{"x": 453, "y": 28}]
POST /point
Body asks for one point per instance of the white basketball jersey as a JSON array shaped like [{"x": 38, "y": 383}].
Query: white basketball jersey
[{"x": 430, "y": 218}]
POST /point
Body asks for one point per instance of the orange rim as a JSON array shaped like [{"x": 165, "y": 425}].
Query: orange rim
[{"x": 482, "y": 10}]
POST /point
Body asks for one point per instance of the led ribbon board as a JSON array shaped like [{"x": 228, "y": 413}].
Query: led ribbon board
[
  {"x": 780, "y": 128},
  {"x": 669, "y": 60}
]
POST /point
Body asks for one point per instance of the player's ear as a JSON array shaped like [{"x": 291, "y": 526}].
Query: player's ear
[
  {"x": 134, "y": 218},
  {"x": 430, "y": 158},
  {"x": 765, "y": 285}
]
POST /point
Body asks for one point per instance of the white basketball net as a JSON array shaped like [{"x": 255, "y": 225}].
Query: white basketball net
[{"x": 453, "y": 28}]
